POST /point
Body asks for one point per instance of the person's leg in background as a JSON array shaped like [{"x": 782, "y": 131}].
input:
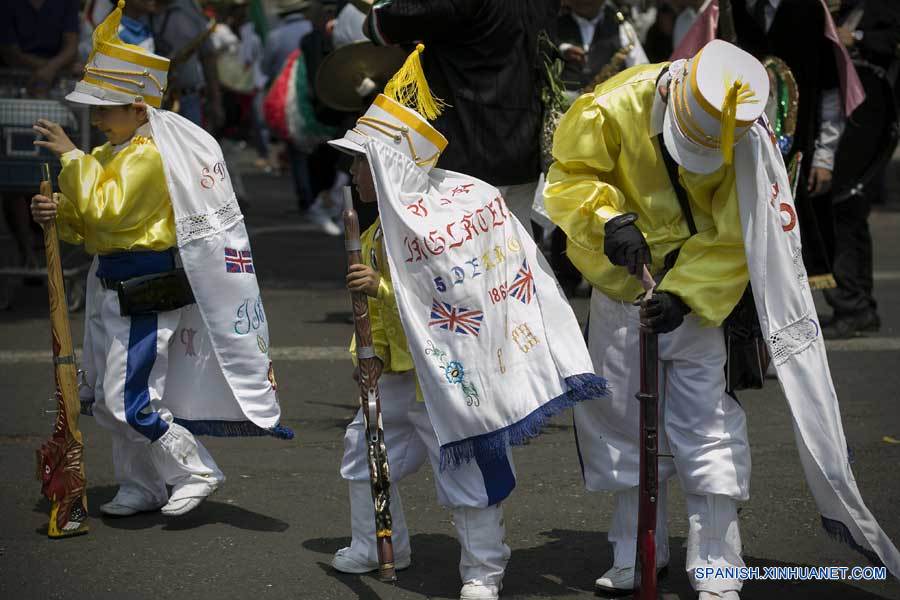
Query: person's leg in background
[
  {"x": 17, "y": 213},
  {"x": 568, "y": 276},
  {"x": 852, "y": 300},
  {"x": 322, "y": 164},
  {"x": 876, "y": 191},
  {"x": 262, "y": 137},
  {"x": 190, "y": 106},
  {"x": 855, "y": 309},
  {"x": 519, "y": 199},
  {"x": 299, "y": 163},
  {"x": 230, "y": 136}
]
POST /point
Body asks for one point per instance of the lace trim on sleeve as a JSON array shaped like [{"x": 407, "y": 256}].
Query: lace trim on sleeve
[{"x": 792, "y": 339}]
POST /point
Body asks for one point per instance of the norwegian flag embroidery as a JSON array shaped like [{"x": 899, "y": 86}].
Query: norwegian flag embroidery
[
  {"x": 522, "y": 287},
  {"x": 238, "y": 261},
  {"x": 455, "y": 318}
]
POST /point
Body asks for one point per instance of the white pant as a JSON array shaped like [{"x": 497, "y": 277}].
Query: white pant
[
  {"x": 714, "y": 539},
  {"x": 130, "y": 359},
  {"x": 125, "y": 362},
  {"x": 700, "y": 425},
  {"x": 410, "y": 441},
  {"x": 472, "y": 491}
]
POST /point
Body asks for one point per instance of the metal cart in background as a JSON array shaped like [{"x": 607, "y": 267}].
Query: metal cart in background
[{"x": 20, "y": 176}]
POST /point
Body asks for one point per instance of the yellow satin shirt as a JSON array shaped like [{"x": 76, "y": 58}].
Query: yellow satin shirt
[
  {"x": 116, "y": 201},
  {"x": 607, "y": 163},
  {"x": 388, "y": 336}
]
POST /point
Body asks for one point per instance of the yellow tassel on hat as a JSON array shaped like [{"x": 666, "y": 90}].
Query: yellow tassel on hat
[
  {"x": 729, "y": 118},
  {"x": 738, "y": 93},
  {"x": 108, "y": 30},
  {"x": 409, "y": 87}
]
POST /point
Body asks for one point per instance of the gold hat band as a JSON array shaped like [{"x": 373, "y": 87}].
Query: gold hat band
[
  {"x": 124, "y": 54},
  {"x": 113, "y": 74},
  {"x": 154, "y": 101},
  {"x": 397, "y": 133},
  {"x": 686, "y": 122},
  {"x": 419, "y": 126}
]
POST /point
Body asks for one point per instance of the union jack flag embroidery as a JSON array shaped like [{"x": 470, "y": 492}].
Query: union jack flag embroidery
[
  {"x": 455, "y": 318},
  {"x": 238, "y": 261},
  {"x": 522, "y": 287}
]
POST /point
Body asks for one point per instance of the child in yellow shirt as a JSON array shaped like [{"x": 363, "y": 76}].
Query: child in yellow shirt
[{"x": 117, "y": 202}]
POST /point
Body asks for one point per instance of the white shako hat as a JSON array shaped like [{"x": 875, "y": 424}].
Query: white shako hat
[
  {"x": 714, "y": 99},
  {"x": 390, "y": 121},
  {"x": 118, "y": 73}
]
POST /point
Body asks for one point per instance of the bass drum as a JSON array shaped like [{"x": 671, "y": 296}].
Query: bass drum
[{"x": 869, "y": 139}]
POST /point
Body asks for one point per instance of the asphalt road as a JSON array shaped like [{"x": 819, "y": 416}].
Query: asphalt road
[{"x": 269, "y": 532}]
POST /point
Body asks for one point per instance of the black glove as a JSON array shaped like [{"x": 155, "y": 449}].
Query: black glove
[
  {"x": 625, "y": 245},
  {"x": 663, "y": 312}
]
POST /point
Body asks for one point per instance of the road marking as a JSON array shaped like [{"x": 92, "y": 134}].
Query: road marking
[
  {"x": 291, "y": 228},
  {"x": 304, "y": 353},
  {"x": 286, "y": 353},
  {"x": 313, "y": 353},
  {"x": 863, "y": 344},
  {"x": 886, "y": 275}
]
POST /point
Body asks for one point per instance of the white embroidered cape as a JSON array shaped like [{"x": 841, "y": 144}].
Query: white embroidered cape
[
  {"x": 496, "y": 347},
  {"x": 220, "y": 380},
  {"x": 788, "y": 319}
]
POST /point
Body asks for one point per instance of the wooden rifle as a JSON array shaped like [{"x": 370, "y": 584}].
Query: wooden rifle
[
  {"x": 60, "y": 465},
  {"x": 370, "y": 401},
  {"x": 648, "y": 485}
]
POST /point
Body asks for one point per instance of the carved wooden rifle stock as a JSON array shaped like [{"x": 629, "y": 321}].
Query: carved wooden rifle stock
[
  {"x": 60, "y": 459},
  {"x": 370, "y": 400}
]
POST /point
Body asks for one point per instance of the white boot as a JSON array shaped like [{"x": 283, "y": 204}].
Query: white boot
[
  {"x": 318, "y": 214},
  {"x": 336, "y": 195},
  {"x": 141, "y": 489},
  {"x": 187, "y": 466},
  {"x": 623, "y": 536},
  {"x": 129, "y": 501},
  {"x": 361, "y": 556},
  {"x": 713, "y": 540},
  {"x": 484, "y": 554}
]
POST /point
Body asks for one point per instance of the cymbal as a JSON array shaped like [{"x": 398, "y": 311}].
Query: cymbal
[{"x": 343, "y": 71}]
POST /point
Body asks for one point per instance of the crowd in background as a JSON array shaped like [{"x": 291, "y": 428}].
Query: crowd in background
[{"x": 229, "y": 55}]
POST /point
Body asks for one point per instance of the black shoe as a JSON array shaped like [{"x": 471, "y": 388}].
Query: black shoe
[
  {"x": 840, "y": 328},
  {"x": 870, "y": 321},
  {"x": 843, "y": 327}
]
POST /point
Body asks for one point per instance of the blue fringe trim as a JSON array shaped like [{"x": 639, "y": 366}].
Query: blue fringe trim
[
  {"x": 234, "y": 429},
  {"x": 840, "y": 532},
  {"x": 491, "y": 446}
]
